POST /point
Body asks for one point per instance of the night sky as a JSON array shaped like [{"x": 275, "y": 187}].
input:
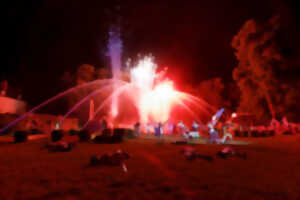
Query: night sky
[{"x": 44, "y": 38}]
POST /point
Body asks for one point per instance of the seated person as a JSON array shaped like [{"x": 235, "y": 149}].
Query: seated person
[
  {"x": 116, "y": 158},
  {"x": 60, "y": 146},
  {"x": 229, "y": 151}
]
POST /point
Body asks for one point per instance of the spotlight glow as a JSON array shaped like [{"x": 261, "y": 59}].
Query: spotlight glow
[
  {"x": 153, "y": 95},
  {"x": 155, "y": 101},
  {"x": 143, "y": 75}
]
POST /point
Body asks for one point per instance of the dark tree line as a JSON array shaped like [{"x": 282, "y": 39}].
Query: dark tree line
[
  {"x": 268, "y": 62},
  {"x": 265, "y": 80}
]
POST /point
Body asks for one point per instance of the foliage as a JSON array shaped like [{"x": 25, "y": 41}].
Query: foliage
[
  {"x": 266, "y": 90},
  {"x": 103, "y": 73},
  {"x": 20, "y": 136},
  {"x": 73, "y": 132},
  {"x": 56, "y": 135},
  {"x": 85, "y": 73},
  {"x": 211, "y": 91},
  {"x": 84, "y": 136}
]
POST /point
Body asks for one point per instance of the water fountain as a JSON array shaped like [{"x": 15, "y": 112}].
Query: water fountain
[
  {"x": 115, "y": 52},
  {"x": 147, "y": 97}
]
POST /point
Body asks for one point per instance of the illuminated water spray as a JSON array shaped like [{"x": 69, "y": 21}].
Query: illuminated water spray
[
  {"x": 154, "y": 100},
  {"x": 115, "y": 53},
  {"x": 143, "y": 74},
  {"x": 153, "y": 96}
]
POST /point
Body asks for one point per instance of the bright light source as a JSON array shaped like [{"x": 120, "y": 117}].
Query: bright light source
[{"x": 155, "y": 101}]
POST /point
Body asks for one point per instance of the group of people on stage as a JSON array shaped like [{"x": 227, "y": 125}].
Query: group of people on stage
[
  {"x": 282, "y": 126},
  {"x": 217, "y": 132},
  {"x": 169, "y": 128},
  {"x": 180, "y": 128}
]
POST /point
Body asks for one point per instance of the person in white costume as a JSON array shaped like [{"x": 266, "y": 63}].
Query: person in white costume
[{"x": 227, "y": 134}]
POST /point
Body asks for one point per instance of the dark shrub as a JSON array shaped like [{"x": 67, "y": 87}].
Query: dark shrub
[
  {"x": 73, "y": 132},
  {"x": 101, "y": 139},
  {"x": 84, "y": 136},
  {"x": 237, "y": 133},
  {"x": 94, "y": 160},
  {"x": 107, "y": 132},
  {"x": 56, "y": 135},
  {"x": 272, "y": 133},
  {"x": 35, "y": 131},
  {"x": 20, "y": 136},
  {"x": 180, "y": 142},
  {"x": 287, "y": 133},
  {"x": 254, "y": 134},
  {"x": 107, "y": 137},
  {"x": 118, "y": 138},
  {"x": 259, "y": 134},
  {"x": 7, "y": 131},
  {"x": 120, "y": 131},
  {"x": 130, "y": 134}
]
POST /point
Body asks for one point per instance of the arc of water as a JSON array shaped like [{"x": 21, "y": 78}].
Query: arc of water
[
  {"x": 92, "y": 109},
  {"x": 82, "y": 101},
  {"x": 53, "y": 99},
  {"x": 190, "y": 97},
  {"x": 115, "y": 51},
  {"x": 108, "y": 99},
  {"x": 188, "y": 109},
  {"x": 186, "y": 97}
]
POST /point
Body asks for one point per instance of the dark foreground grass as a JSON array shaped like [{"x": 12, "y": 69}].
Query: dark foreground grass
[{"x": 155, "y": 171}]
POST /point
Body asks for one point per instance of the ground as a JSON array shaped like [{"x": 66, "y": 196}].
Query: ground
[{"x": 156, "y": 170}]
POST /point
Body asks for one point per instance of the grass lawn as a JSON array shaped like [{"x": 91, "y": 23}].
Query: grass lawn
[{"x": 155, "y": 171}]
